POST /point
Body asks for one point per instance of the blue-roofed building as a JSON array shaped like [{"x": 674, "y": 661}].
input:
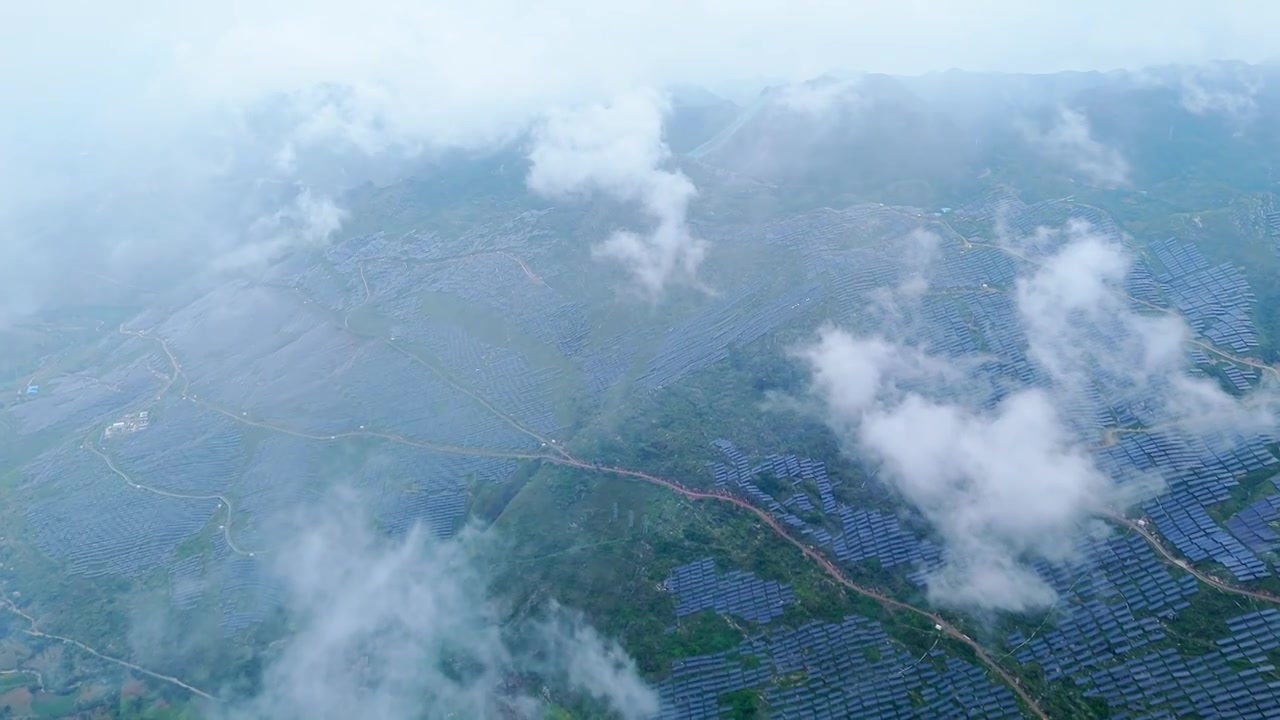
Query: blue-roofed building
[{"x": 33, "y": 389}]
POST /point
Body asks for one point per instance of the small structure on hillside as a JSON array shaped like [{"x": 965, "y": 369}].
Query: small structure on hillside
[
  {"x": 33, "y": 389},
  {"x": 127, "y": 424}
]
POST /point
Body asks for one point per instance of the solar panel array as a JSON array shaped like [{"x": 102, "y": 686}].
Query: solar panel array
[
  {"x": 1198, "y": 476},
  {"x": 996, "y": 317},
  {"x": 1240, "y": 380},
  {"x": 1047, "y": 213},
  {"x": 1107, "y": 632},
  {"x": 944, "y": 329},
  {"x": 192, "y": 452},
  {"x": 497, "y": 283},
  {"x": 1099, "y": 221},
  {"x": 408, "y": 485},
  {"x": 1110, "y": 599},
  {"x": 864, "y": 534},
  {"x": 699, "y": 586},
  {"x": 1178, "y": 258},
  {"x": 391, "y": 392},
  {"x": 853, "y": 274},
  {"x": 972, "y": 267},
  {"x": 326, "y": 286},
  {"x": 1218, "y": 304},
  {"x": 187, "y": 582},
  {"x": 503, "y": 375},
  {"x": 283, "y": 474},
  {"x": 1206, "y": 686},
  {"x": 871, "y": 534},
  {"x": 1197, "y": 536},
  {"x": 1141, "y": 284},
  {"x": 1253, "y": 634},
  {"x": 738, "y": 319},
  {"x": 81, "y": 512},
  {"x": 76, "y": 402},
  {"x": 695, "y": 685},
  {"x": 835, "y": 671},
  {"x": 994, "y": 205},
  {"x": 826, "y": 234},
  {"x": 1252, "y": 525},
  {"x": 247, "y": 592},
  {"x": 1091, "y": 636},
  {"x": 850, "y": 252}
]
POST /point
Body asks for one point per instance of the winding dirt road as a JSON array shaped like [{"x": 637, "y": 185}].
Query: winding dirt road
[
  {"x": 528, "y": 273},
  {"x": 91, "y": 445},
  {"x": 1186, "y": 566},
  {"x": 559, "y": 456},
  {"x": 34, "y": 630},
  {"x": 24, "y": 671},
  {"x": 823, "y": 562}
]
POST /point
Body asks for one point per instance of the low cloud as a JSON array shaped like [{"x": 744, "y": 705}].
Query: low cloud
[
  {"x": 1084, "y": 331},
  {"x": 388, "y": 629},
  {"x": 1079, "y": 324},
  {"x": 822, "y": 96},
  {"x": 1000, "y": 486},
  {"x": 920, "y": 253},
  {"x": 1069, "y": 140},
  {"x": 162, "y": 100},
  {"x": 309, "y": 221},
  {"x": 1010, "y": 482},
  {"x": 1227, "y": 90},
  {"x": 617, "y": 149},
  {"x": 1201, "y": 99}
]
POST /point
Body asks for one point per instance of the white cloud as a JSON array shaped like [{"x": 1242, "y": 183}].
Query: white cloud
[
  {"x": 1227, "y": 90},
  {"x": 308, "y": 222},
  {"x": 387, "y": 629},
  {"x": 1078, "y": 321},
  {"x": 617, "y": 148},
  {"x": 1006, "y": 484},
  {"x": 820, "y": 97},
  {"x": 1200, "y": 99},
  {"x": 999, "y": 486},
  {"x": 1070, "y": 141},
  {"x": 1084, "y": 331}
]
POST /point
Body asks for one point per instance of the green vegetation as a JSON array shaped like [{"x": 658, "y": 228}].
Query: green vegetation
[
  {"x": 1195, "y": 628},
  {"x": 745, "y": 705},
  {"x": 1250, "y": 487},
  {"x": 136, "y": 708},
  {"x": 559, "y": 713},
  {"x": 704, "y": 633},
  {"x": 53, "y": 706},
  {"x": 16, "y": 680}
]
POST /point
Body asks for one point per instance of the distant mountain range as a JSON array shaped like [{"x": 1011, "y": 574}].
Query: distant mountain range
[{"x": 927, "y": 138}]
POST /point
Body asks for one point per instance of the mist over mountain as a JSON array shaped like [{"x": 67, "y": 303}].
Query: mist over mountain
[{"x": 678, "y": 361}]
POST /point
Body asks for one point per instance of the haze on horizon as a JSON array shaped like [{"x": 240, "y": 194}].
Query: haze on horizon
[
  {"x": 92, "y": 94},
  {"x": 130, "y": 135}
]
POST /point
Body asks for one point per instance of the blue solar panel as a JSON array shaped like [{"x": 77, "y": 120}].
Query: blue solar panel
[
  {"x": 836, "y": 670},
  {"x": 699, "y": 587}
]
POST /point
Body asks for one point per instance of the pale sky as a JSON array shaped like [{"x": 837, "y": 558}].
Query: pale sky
[{"x": 455, "y": 69}]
